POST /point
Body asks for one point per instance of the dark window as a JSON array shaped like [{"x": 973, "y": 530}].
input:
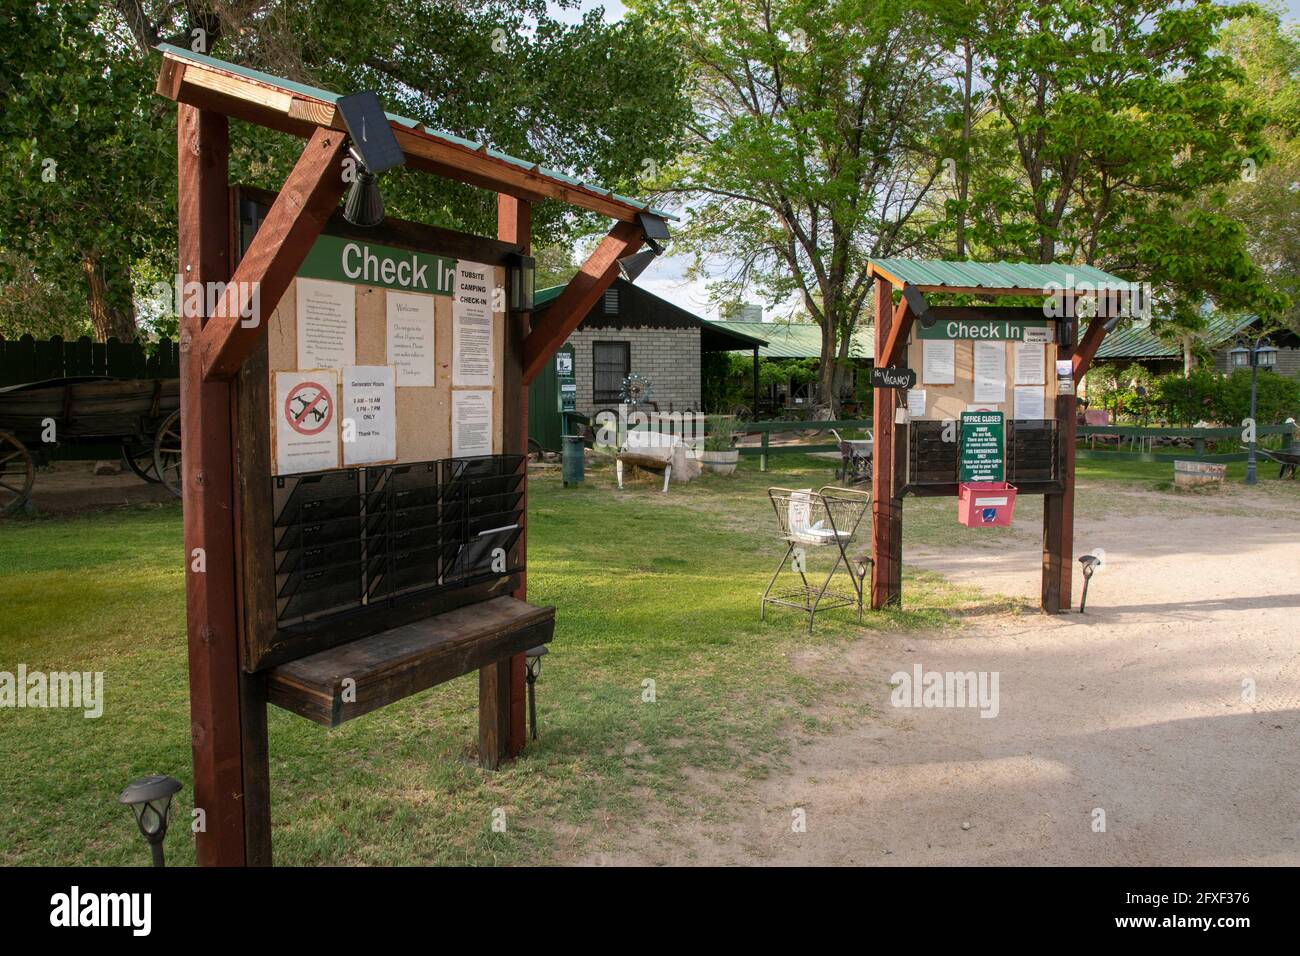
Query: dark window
[
  {"x": 611, "y": 362},
  {"x": 611, "y": 302}
]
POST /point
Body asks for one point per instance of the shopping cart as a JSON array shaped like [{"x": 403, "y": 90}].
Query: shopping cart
[{"x": 810, "y": 522}]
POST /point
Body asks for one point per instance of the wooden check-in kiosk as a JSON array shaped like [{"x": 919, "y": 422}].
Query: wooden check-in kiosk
[
  {"x": 1021, "y": 363},
  {"x": 354, "y": 415}
]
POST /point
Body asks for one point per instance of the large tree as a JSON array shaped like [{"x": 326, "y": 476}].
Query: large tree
[
  {"x": 1108, "y": 117},
  {"x": 86, "y": 159},
  {"x": 601, "y": 101},
  {"x": 811, "y": 146}
]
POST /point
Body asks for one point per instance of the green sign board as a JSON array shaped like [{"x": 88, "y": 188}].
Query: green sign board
[
  {"x": 983, "y": 440},
  {"x": 368, "y": 263},
  {"x": 564, "y": 374},
  {"x": 991, "y": 330}
]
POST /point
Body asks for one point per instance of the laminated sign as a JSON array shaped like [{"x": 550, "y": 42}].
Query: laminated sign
[
  {"x": 982, "y": 443},
  {"x": 306, "y": 424}
]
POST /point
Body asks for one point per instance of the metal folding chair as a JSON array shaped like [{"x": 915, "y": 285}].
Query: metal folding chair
[
  {"x": 855, "y": 459},
  {"x": 811, "y": 522}
]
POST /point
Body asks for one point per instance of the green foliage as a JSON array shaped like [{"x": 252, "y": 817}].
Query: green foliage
[
  {"x": 1187, "y": 400},
  {"x": 808, "y": 152},
  {"x": 1277, "y": 398},
  {"x": 720, "y": 433},
  {"x": 1134, "y": 394},
  {"x": 87, "y": 156},
  {"x": 601, "y": 101}
]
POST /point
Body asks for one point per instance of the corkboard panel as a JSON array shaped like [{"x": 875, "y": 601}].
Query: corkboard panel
[
  {"x": 949, "y": 401},
  {"x": 423, "y": 413}
]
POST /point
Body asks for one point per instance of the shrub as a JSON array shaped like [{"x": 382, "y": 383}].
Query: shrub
[{"x": 1277, "y": 398}]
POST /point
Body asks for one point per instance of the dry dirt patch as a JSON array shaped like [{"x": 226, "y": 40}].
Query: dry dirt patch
[{"x": 1136, "y": 709}]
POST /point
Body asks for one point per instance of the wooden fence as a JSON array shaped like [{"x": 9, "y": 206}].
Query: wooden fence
[{"x": 29, "y": 360}]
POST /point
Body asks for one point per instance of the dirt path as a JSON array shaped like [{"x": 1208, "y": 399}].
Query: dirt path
[{"x": 1135, "y": 709}]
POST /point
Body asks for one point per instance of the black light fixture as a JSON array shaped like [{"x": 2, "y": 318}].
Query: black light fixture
[
  {"x": 655, "y": 230},
  {"x": 150, "y": 799},
  {"x": 374, "y": 149},
  {"x": 918, "y": 306},
  {"x": 1092, "y": 562},
  {"x": 533, "y": 658},
  {"x": 521, "y": 281},
  {"x": 632, "y": 266}
]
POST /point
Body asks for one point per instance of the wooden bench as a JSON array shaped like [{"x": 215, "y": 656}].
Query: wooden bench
[{"x": 352, "y": 679}]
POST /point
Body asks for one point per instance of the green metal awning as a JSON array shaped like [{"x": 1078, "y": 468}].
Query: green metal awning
[
  {"x": 1131, "y": 343},
  {"x": 936, "y": 274},
  {"x": 797, "y": 340}
]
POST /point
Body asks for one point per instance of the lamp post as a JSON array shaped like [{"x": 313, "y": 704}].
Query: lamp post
[
  {"x": 150, "y": 799},
  {"x": 1255, "y": 353}
]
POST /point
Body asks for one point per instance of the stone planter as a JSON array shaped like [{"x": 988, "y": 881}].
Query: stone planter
[{"x": 720, "y": 462}]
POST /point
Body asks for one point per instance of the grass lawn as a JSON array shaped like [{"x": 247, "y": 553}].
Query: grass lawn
[{"x": 649, "y": 587}]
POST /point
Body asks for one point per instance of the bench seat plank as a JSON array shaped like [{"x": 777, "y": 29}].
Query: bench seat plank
[{"x": 405, "y": 660}]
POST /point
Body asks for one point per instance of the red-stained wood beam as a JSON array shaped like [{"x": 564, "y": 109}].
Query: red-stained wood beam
[
  {"x": 583, "y": 291},
  {"x": 1087, "y": 348},
  {"x": 899, "y": 330},
  {"x": 204, "y": 233},
  {"x": 514, "y": 225},
  {"x": 292, "y": 225}
]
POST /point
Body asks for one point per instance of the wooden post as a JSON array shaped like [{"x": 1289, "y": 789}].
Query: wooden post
[
  {"x": 886, "y": 510},
  {"x": 216, "y": 718},
  {"x": 514, "y": 225},
  {"x": 1058, "y": 510}
]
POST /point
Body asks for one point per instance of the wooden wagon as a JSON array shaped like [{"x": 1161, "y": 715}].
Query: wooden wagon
[{"x": 71, "y": 418}]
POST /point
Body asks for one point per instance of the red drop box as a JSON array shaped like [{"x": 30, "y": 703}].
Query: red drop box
[{"x": 985, "y": 504}]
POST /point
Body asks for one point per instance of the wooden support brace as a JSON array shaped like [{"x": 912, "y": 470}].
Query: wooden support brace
[
  {"x": 898, "y": 333},
  {"x": 295, "y": 220},
  {"x": 583, "y": 291}
]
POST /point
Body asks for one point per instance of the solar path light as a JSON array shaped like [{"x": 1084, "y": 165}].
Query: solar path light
[{"x": 150, "y": 799}]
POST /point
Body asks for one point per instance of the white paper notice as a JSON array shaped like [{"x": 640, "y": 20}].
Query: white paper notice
[
  {"x": 369, "y": 416},
  {"x": 938, "y": 366},
  {"x": 471, "y": 340},
  {"x": 1030, "y": 402},
  {"x": 990, "y": 372},
  {"x": 916, "y": 402},
  {"x": 1030, "y": 361},
  {"x": 327, "y": 324},
  {"x": 410, "y": 337},
  {"x": 471, "y": 423},
  {"x": 306, "y": 421}
]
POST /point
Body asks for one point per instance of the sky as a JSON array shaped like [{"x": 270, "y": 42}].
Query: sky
[{"x": 667, "y": 276}]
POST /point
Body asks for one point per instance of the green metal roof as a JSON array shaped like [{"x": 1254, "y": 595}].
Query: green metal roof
[
  {"x": 1131, "y": 343},
  {"x": 715, "y": 336},
  {"x": 991, "y": 275},
  {"x": 795, "y": 340},
  {"x": 330, "y": 97}
]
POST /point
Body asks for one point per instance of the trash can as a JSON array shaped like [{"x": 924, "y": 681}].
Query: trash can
[
  {"x": 571, "y": 457},
  {"x": 985, "y": 504}
]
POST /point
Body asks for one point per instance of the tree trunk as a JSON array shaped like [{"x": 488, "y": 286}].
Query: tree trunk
[
  {"x": 826, "y": 370},
  {"x": 109, "y": 320}
]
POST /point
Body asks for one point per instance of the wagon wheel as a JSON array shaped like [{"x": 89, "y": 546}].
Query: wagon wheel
[
  {"x": 167, "y": 453},
  {"x": 139, "y": 458},
  {"x": 822, "y": 413},
  {"x": 17, "y": 474},
  {"x": 535, "y": 449}
]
